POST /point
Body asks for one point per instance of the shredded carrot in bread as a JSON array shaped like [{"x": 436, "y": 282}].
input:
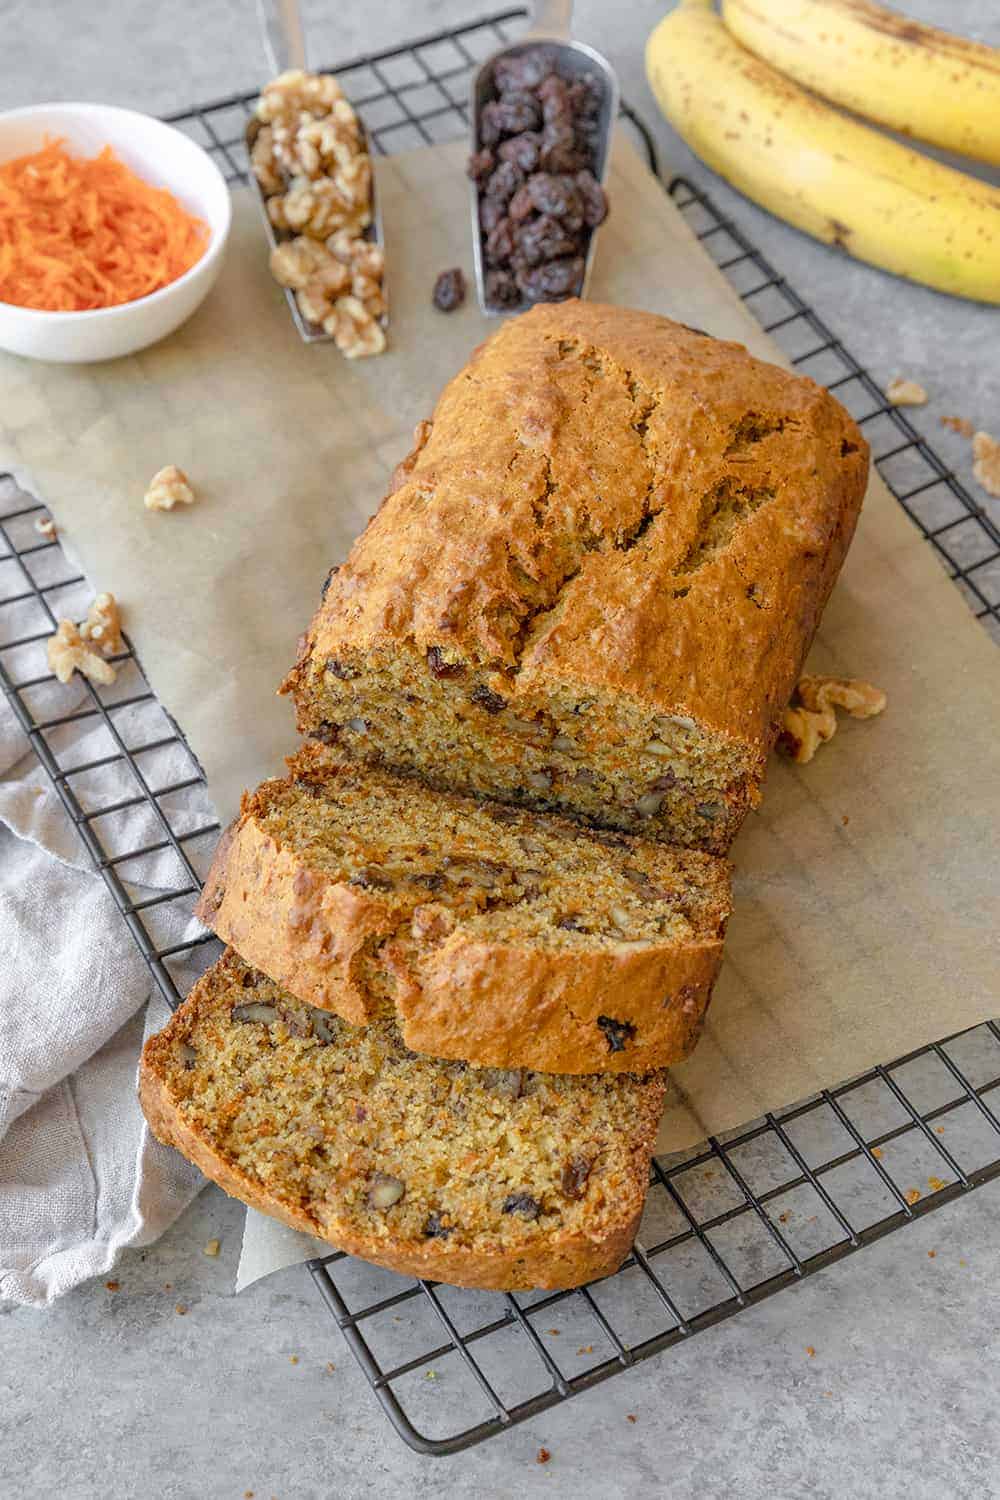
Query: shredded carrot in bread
[{"x": 78, "y": 233}]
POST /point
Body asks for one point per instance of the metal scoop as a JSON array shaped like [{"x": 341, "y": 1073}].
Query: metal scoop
[
  {"x": 284, "y": 44},
  {"x": 550, "y": 27}
]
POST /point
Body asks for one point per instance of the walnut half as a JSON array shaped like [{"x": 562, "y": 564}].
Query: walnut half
[
  {"x": 167, "y": 488},
  {"x": 68, "y": 652},
  {"x": 812, "y": 721}
]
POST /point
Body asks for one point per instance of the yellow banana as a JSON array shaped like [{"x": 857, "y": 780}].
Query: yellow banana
[
  {"x": 829, "y": 175},
  {"x": 914, "y": 78}
]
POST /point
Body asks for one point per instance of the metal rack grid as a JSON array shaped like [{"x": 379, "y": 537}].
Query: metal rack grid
[{"x": 726, "y": 1224}]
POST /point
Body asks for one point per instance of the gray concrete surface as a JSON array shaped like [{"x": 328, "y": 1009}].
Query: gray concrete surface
[{"x": 116, "y": 1394}]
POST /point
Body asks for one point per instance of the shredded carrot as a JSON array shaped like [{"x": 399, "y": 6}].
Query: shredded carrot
[{"x": 78, "y": 233}]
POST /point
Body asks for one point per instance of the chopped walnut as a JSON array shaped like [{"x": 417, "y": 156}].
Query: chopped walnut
[
  {"x": 961, "y": 425},
  {"x": 46, "y": 527},
  {"x": 903, "y": 392},
  {"x": 355, "y": 332},
  {"x": 167, "y": 488},
  {"x": 986, "y": 466},
  {"x": 68, "y": 652},
  {"x": 812, "y": 721},
  {"x": 103, "y": 626},
  {"x": 310, "y": 157}
]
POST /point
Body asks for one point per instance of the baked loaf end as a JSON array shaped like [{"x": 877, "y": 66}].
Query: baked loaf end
[
  {"x": 595, "y": 578},
  {"x": 500, "y": 936},
  {"x": 480, "y": 1178}
]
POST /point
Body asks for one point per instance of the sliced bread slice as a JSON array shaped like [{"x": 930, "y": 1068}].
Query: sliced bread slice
[
  {"x": 479, "y": 1177},
  {"x": 502, "y": 937}
]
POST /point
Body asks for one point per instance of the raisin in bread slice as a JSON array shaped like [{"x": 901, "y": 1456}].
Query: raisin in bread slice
[
  {"x": 594, "y": 580},
  {"x": 501, "y": 937},
  {"x": 478, "y": 1177}
]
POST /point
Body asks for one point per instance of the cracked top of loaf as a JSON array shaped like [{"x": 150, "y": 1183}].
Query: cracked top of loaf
[{"x": 607, "y": 499}]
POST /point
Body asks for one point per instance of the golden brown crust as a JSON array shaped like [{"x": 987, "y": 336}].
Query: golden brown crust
[
  {"x": 581, "y": 449},
  {"x": 491, "y": 1003},
  {"x": 556, "y": 1260}
]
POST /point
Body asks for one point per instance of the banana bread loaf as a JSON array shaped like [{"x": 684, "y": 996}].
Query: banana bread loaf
[
  {"x": 500, "y": 936},
  {"x": 594, "y": 580},
  {"x": 483, "y": 1178}
]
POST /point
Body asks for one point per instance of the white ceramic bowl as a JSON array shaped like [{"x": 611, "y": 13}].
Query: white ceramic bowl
[{"x": 164, "y": 157}]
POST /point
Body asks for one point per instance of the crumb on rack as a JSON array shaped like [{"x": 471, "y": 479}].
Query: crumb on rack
[
  {"x": 293, "y": 1359},
  {"x": 46, "y": 527},
  {"x": 935, "y": 1184},
  {"x": 986, "y": 462},
  {"x": 112, "y": 1286},
  {"x": 180, "y": 1309},
  {"x": 630, "y": 1416},
  {"x": 168, "y": 487},
  {"x": 932, "y": 1255},
  {"x": 961, "y": 425},
  {"x": 810, "y": 1351},
  {"x": 912, "y": 1195},
  {"x": 585, "y": 1349},
  {"x": 542, "y": 1456},
  {"x": 211, "y": 1248},
  {"x": 811, "y": 721},
  {"x": 903, "y": 392}
]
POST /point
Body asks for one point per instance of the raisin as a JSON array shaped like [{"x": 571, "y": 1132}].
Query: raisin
[
  {"x": 515, "y": 111},
  {"x": 559, "y": 151},
  {"x": 505, "y": 182},
  {"x": 440, "y": 668},
  {"x": 501, "y": 289},
  {"x": 501, "y": 814},
  {"x": 326, "y": 732},
  {"x": 449, "y": 290},
  {"x": 339, "y": 669},
  {"x": 617, "y": 1032},
  {"x": 556, "y": 278},
  {"x": 522, "y": 150},
  {"x": 665, "y": 782},
  {"x": 556, "y": 193},
  {"x": 571, "y": 923},
  {"x": 520, "y": 206},
  {"x": 480, "y": 165},
  {"x": 575, "y": 1172},
  {"x": 521, "y": 70},
  {"x": 434, "y": 1229},
  {"x": 544, "y": 238},
  {"x": 371, "y": 878},
  {"x": 500, "y": 242},
  {"x": 485, "y": 698},
  {"x": 556, "y": 101},
  {"x": 251, "y": 980},
  {"x": 595, "y": 202},
  {"x": 490, "y": 129},
  {"x": 490, "y": 214},
  {"x": 523, "y": 1204}
]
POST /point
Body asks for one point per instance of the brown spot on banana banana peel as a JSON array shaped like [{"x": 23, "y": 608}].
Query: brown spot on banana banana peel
[{"x": 840, "y": 234}]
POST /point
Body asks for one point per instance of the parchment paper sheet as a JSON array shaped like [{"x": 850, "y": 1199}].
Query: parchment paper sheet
[{"x": 866, "y": 888}]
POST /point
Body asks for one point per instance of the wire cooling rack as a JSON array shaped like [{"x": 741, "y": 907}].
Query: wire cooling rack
[{"x": 725, "y": 1225}]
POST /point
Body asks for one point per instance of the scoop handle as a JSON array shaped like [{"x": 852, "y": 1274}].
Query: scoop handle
[
  {"x": 551, "y": 19},
  {"x": 281, "y": 28}
]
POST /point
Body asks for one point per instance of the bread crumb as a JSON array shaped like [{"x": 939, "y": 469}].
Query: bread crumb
[
  {"x": 330, "y": 1366},
  {"x": 112, "y": 1286},
  {"x": 430, "y": 1374},
  {"x": 931, "y": 1254},
  {"x": 248, "y": 1495},
  {"x": 46, "y": 527},
  {"x": 810, "y": 1351},
  {"x": 293, "y": 1359},
  {"x": 784, "y": 1217},
  {"x": 986, "y": 465},
  {"x": 961, "y": 425},
  {"x": 962, "y": 1262},
  {"x": 180, "y": 1309},
  {"x": 630, "y": 1416},
  {"x": 168, "y": 1286},
  {"x": 912, "y": 1195},
  {"x": 935, "y": 1184},
  {"x": 167, "y": 488},
  {"x": 542, "y": 1456},
  {"x": 845, "y": 820},
  {"x": 212, "y": 1248},
  {"x": 585, "y": 1349},
  {"x": 877, "y": 1152},
  {"x": 553, "y": 1331},
  {"x": 903, "y": 392},
  {"x": 939, "y": 1130}
]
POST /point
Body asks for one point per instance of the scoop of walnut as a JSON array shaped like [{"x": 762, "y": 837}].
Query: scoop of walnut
[
  {"x": 167, "y": 488},
  {"x": 812, "y": 721}
]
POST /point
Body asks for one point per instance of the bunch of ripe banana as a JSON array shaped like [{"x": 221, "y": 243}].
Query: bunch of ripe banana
[{"x": 730, "y": 85}]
